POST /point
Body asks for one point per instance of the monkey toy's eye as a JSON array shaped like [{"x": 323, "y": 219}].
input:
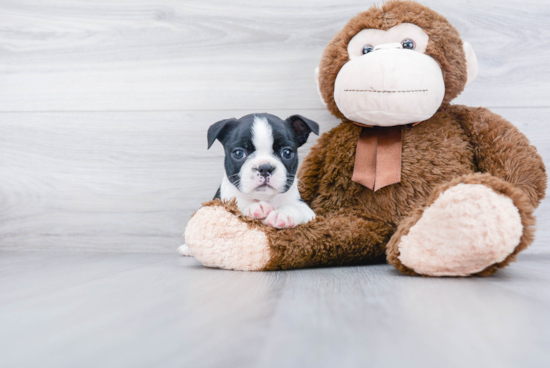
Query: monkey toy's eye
[
  {"x": 408, "y": 44},
  {"x": 238, "y": 154},
  {"x": 367, "y": 49},
  {"x": 287, "y": 153}
]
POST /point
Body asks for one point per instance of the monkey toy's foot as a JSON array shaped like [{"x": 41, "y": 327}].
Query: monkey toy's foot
[
  {"x": 219, "y": 236},
  {"x": 471, "y": 226}
]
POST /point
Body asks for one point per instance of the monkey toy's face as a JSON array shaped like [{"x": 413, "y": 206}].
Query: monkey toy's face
[
  {"x": 387, "y": 73},
  {"x": 389, "y": 80}
]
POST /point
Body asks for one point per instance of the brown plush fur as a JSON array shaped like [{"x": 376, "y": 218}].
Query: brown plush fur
[
  {"x": 339, "y": 238},
  {"x": 500, "y": 149},
  {"x": 354, "y": 223}
]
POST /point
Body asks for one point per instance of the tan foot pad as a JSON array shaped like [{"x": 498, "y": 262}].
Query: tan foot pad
[
  {"x": 217, "y": 238},
  {"x": 468, "y": 228}
]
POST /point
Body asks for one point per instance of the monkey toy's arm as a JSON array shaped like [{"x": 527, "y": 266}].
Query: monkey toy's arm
[
  {"x": 501, "y": 150},
  {"x": 218, "y": 235}
]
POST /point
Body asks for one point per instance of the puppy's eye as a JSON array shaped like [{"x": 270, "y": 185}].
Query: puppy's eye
[
  {"x": 287, "y": 153},
  {"x": 238, "y": 154},
  {"x": 367, "y": 49},
  {"x": 408, "y": 44}
]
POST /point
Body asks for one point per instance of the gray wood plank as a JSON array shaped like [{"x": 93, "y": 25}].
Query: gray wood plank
[
  {"x": 160, "y": 310},
  {"x": 376, "y": 317},
  {"x": 73, "y": 55},
  {"x": 130, "y": 181}
]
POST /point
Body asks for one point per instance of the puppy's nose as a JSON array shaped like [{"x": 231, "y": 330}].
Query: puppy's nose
[{"x": 266, "y": 169}]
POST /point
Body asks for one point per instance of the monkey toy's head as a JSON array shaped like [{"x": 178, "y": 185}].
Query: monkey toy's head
[{"x": 394, "y": 65}]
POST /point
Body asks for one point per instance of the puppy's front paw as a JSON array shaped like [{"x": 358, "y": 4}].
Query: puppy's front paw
[
  {"x": 280, "y": 220},
  {"x": 185, "y": 251},
  {"x": 259, "y": 210}
]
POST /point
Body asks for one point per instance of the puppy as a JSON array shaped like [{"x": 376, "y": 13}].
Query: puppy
[{"x": 261, "y": 160}]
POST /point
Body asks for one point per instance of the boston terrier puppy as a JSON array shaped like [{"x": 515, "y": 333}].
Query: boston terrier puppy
[{"x": 261, "y": 160}]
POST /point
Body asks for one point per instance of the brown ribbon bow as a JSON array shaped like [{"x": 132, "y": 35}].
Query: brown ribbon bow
[{"x": 378, "y": 157}]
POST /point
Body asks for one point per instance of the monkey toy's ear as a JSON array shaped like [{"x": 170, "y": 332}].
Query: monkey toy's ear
[
  {"x": 219, "y": 130},
  {"x": 319, "y": 85},
  {"x": 302, "y": 127},
  {"x": 472, "y": 66}
]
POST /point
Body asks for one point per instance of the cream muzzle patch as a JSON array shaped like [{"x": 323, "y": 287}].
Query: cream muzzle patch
[{"x": 388, "y": 80}]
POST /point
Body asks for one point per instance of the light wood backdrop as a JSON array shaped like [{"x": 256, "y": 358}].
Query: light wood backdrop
[{"x": 104, "y": 105}]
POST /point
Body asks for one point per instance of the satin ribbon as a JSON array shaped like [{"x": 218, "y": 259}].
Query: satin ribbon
[{"x": 378, "y": 157}]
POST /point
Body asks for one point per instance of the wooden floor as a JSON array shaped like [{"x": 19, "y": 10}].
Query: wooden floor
[{"x": 157, "y": 310}]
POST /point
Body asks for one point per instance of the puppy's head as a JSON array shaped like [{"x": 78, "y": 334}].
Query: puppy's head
[{"x": 261, "y": 151}]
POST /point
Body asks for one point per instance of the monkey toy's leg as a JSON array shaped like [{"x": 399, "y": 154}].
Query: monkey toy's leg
[
  {"x": 471, "y": 226},
  {"x": 477, "y": 223},
  {"x": 219, "y": 236}
]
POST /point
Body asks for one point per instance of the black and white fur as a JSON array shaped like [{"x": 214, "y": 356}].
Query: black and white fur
[{"x": 261, "y": 160}]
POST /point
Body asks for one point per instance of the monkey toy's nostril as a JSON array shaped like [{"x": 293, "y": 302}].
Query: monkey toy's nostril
[{"x": 265, "y": 170}]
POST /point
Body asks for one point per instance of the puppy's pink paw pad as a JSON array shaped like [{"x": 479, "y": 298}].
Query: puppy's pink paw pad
[
  {"x": 266, "y": 208},
  {"x": 280, "y": 220},
  {"x": 259, "y": 210},
  {"x": 270, "y": 222}
]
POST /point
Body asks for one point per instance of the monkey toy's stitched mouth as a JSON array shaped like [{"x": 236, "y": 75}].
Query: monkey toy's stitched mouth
[{"x": 384, "y": 91}]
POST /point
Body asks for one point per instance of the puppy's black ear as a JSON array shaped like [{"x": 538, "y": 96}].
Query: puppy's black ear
[
  {"x": 219, "y": 130},
  {"x": 302, "y": 127}
]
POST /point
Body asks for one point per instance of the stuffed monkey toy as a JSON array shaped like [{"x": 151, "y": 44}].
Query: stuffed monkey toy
[{"x": 435, "y": 189}]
